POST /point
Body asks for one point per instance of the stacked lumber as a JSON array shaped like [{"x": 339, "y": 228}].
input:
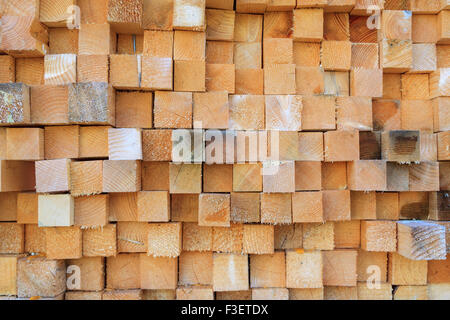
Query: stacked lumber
[{"x": 220, "y": 149}]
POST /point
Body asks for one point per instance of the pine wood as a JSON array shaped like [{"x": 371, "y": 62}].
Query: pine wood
[
  {"x": 49, "y": 104},
  {"x": 366, "y": 293},
  {"x": 153, "y": 206},
  {"x": 220, "y": 24},
  {"x": 86, "y": 178},
  {"x": 283, "y": 181},
  {"x": 93, "y": 270},
  {"x": 230, "y": 272},
  {"x": 403, "y": 271},
  {"x": 413, "y": 205},
  {"x": 365, "y": 55},
  {"x": 17, "y": 176},
  {"x": 308, "y": 25},
  {"x": 24, "y": 144},
  {"x": 125, "y": 71},
  {"x": 91, "y": 103},
  {"x": 55, "y": 210},
  {"x": 363, "y": 205},
  {"x": 7, "y": 63},
  {"x": 26, "y": 205},
  {"x": 228, "y": 239},
  {"x": 245, "y": 207},
  {"x": 8, "y": 285},
  {"x": 268, "y": 270},
  {"x": 251, "y": 6},
  {"x": 121, "y": 176},
  {"x": 40, "y": 277},
  {"x": 336, "y": 205},
  {"x": 63, "y": 243},
  {"x": 185, "y": 178},
  {"x": 278, "y": 24},
  {"x": 132, "y": 236},
  {"x": 347, "y": 234},
  {"x": 258, "y": 239},
  {"x": 334, "y": 175},
  {"x": 279, "y": 79},
  {"x": 53, "y": 176},
  {"x": 319, "y": 113},
  {"x": 396, "y": 55},
  {"x": 151, "y": 170},
  {"x": 249, "y": 81},
  {"x": 123, "y": 295},
  {"x": 125, "y": 16},
  {"x": 195, "y": 268},
  {"x": 157, "y": 15},
  {"x": 304, "y": 270},
  {"x": 61, "y": 142},
  {"x": 189, "y": 15},
  {"x": 424, "y": 57},
  {"x": 162, "y": 67},
  {"x": 401, "y": 146},
  {"x": 158, "y": 44},
  {"x": 100, "y": 241},
  {"x": 288, "y": 236},
  {"x": 419, "y": 240},
  {"x": 378, "y": 236},
  {"x": 34, "y": 239},
  {"x": 336, "y": 55},
  {"x": 130, "y": 43},
  {"x": 284, "y": 112},
  {"x": 212, "y": 109},
  {"x": 189, "y": 76},
  {"x": 308, "y": 175},
  {"x": 367, "y": 175},
  {"x": 91, "y": 211},
  {"x": 248, "y": 55},
  {"x": 15, "y": 109},
  {"x": 95, "y": 39},
  {"x": 424, "y": 28},
  {"x": 318, "y": 236},
  {"x": 63, "y": 41},
  {"x": 220, "y": 77},
  {"x": 123, "y": 271},
  {"x": 366, "y": 82},
  {"x": 30, "y": 71},
  {"x": 23, "y": 36},
  {"x": 164, "y": 239},
  {"x": 60, "y": 69},
  {"x": 12, "y": 238},
  {"x": 276, "y": 208},
  {"x": 387, "y": 206},
  {"x": 214, "y": 210},
  {"x": 339, "y": 268},
  {"x": 93, "y": 142}
]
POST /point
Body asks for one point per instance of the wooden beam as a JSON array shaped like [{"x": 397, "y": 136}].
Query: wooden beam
[
  {"x": 157, "y": 15},
  {"x": 14, "y": 103},
  {"x": 49, "y": 104},
  {"x": 23, "y": 36},
  {"x": 121, "y": 176},
  {"x": 420, "y": 240},
  {"x": 55, "y": 13},
  {"x": 125, "y": 16},
  {"x": 189, "y": 15},
  {"x": 86, "y": 178},
  {"x": 40, "y": 277},
  {"x": 63, "y": 243},
  {"x": 53, "y": 176},
  {"x": 91, "y": 103}
]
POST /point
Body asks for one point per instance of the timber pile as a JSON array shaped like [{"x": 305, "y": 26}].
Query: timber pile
[{"x": 93, "y": 204}]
